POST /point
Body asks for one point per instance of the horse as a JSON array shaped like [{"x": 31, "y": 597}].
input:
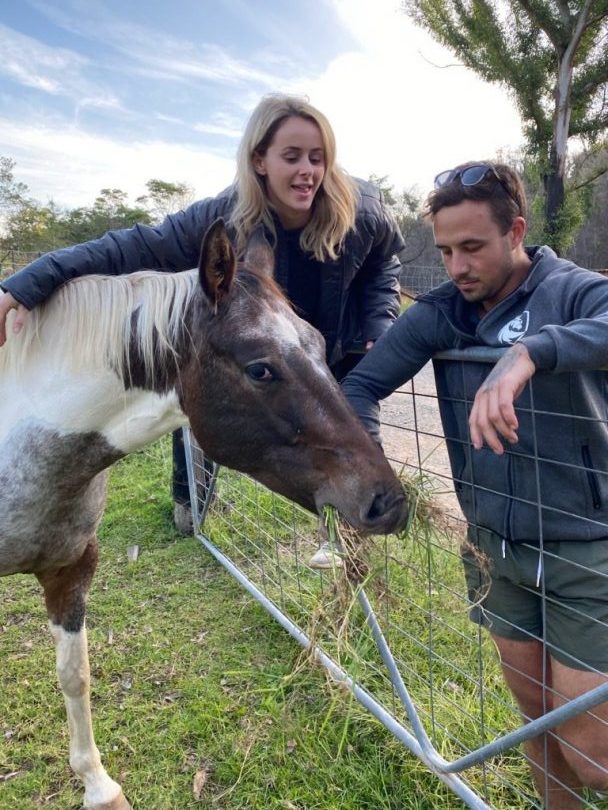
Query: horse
[{"x": 108, "y": 365}]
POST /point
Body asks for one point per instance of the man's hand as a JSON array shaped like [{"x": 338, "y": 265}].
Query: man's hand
[
  {"x": 7, "y": 302},
  {"x": 493, "y": 414}
]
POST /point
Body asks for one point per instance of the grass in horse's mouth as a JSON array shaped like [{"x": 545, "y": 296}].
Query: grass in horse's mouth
[
  {"x": 365, "y": 559},
  {"x": 351, "y": 544},
  {"x": 355, "y": 547},
  {"x": 362, "y": 555}
]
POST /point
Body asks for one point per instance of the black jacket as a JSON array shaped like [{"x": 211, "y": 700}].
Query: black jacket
[{"x": 359, "y": 295}]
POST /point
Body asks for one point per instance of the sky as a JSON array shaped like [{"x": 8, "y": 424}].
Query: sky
[{"x": 110, "y": 93}]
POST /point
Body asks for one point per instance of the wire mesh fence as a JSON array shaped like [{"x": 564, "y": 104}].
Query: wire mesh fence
[
  {"x": 416, "y": 279},
  {"x": 12, "y": 260},
  {"x": 399, "y": 633}
]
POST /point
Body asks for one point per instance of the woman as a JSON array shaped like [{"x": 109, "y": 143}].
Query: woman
[{"x": 335, "y": 243}]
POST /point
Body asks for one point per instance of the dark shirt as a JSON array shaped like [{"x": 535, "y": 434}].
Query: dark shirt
[{"x": 303, "y": 279}]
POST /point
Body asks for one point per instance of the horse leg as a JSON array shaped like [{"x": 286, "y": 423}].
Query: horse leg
[{"x": 65, "y": 592}]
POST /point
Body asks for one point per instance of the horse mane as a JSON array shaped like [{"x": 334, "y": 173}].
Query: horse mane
[{"x": 93, "y": 321}]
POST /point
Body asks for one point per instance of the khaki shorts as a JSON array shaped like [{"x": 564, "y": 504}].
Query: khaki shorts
[{"x": 566, "y": 607}]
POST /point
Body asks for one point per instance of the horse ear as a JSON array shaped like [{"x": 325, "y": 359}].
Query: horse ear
[
  {"x": 218, "y": 263},
  {"x": 258, "y": 253}
]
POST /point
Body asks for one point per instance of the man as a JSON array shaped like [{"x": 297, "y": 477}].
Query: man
[{"x": 535, "y": 501}]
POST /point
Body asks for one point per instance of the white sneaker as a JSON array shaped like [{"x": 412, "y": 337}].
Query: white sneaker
[{"x": 326, "y": 556}]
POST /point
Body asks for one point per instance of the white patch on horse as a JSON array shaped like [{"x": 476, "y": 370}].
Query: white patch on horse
[
  {"x": 74, "y": 678},
  {"x": 89, "y": 403},
  {"x": 276, "y": 324}
]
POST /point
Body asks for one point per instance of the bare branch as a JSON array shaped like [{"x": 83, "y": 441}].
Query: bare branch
[{"x": 589, "y": 178}]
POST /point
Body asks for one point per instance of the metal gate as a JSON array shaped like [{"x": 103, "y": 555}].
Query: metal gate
[{"x": 402, "y": 641}]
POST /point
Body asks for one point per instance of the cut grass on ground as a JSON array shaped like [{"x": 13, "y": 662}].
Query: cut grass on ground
[{"x": 198, "y": 698}]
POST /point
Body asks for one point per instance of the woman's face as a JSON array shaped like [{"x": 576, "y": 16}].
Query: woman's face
[{"x": 294, "y": 167}]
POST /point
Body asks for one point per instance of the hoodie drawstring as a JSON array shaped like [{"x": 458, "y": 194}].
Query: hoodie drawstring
[
  {"x": 539, "y": 570},
  {"x": 539, "y": 567}
]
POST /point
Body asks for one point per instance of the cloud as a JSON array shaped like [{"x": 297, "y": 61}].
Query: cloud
[
  {"x": 217, "y": 129},
  {"x": 159, "y": 55},
  {"x": 395, "y": 112},
  {"x": 209, "y": 63},
  {"x": 29, "y": 62},
  {"x": 71, "y": 166},
  {"x": 56, "y": 71}
]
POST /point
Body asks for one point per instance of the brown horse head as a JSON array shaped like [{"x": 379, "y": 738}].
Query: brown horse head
[{"x": 261, "y": 399}]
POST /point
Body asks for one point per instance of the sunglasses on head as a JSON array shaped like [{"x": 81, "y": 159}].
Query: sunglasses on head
[{"x": 470, "y": 176}]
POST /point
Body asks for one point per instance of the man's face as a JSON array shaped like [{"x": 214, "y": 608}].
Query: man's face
[{"x": 483, "y": 263}]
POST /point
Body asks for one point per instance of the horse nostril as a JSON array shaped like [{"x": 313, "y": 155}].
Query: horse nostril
[
  {"x": 388, "y": 509},
  {"x": 378, "y": 507}
]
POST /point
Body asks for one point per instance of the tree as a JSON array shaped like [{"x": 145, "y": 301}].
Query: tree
[
  {"x": 590, "y": 248},
  {"x": 406, "y": 208},
  {"x": 26, "y": 225},
  {"x": 553, "y": 57},
  {"x": 110, "y": 211},
  {"x": 32, "y": 227},
  {"x": 13, "y": 195},
  {"x": 165, "y": 198}
]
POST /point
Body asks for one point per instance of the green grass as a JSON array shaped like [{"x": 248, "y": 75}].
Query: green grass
[{"x": 192, "y": 681}]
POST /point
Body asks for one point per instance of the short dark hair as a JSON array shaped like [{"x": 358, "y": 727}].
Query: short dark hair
[{"x": 501, "y": 188}]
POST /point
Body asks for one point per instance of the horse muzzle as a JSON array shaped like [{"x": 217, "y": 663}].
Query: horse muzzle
[
  {"x": 382, "y": 510},
  {"x": 385, "y": 512}
]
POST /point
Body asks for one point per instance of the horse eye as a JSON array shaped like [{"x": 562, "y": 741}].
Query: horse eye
[{"x": 260, "y": 372}]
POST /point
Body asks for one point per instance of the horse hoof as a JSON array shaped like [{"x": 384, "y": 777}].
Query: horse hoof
[{"x": 119, "y": 803}]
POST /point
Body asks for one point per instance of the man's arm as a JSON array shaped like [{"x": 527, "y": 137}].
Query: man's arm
[
  {"x": 395, "y": 358},
  {"x": 493, "y": 412},
  {"x": 577, "y": 341}
]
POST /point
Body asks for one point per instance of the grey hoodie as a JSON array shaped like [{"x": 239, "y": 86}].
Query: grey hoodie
[{"x": 560, "y": 313}]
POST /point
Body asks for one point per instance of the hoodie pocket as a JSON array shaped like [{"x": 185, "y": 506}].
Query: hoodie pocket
[{"x": 591, "y": 477}]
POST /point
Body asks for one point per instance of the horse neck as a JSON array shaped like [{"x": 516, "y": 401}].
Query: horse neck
[
  {"x": 88, "y": 401},
  {"x": 151, "y": 376},
  {"x": 124, "y": 392}
]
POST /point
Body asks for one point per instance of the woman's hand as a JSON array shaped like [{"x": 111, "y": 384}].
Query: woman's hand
[{"x": 7, "y": 302}]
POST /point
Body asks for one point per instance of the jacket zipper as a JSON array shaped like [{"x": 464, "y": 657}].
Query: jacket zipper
[{"x": 591, "y": 477}]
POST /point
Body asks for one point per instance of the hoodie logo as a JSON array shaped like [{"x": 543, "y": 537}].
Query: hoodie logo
[{"x": 515, "y": 329}]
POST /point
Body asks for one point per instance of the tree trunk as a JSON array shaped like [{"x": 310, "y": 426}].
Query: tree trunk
[
  {"x": 554, "y": 177},
  {"x": 558, "y": 153},
  {"x": 554, "y": 201}
]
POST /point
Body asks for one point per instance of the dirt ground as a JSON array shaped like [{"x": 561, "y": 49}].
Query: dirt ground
[{"x": 412, "y": 435}]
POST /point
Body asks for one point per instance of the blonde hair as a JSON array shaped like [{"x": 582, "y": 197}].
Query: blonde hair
[
  {"x": 91, "y": 321},
  {"x": 333, "y": 212}
]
